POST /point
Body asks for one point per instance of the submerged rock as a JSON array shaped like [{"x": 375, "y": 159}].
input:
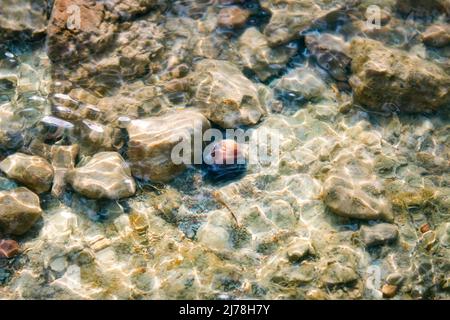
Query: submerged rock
[
  {"x": 299, "y": 250},
  {"x": 225, "y": 96},
  {"x": 8, "y": 248},
  {"x": 232, "y": 17},
  {"x": 423, "y": 8},
  {"x": 63, "y": 159},
  {"x": 378, "y": 234},
  {"x": 301, "y": 82},
  {"x": 383, "y": 77},
  {"x": 78, "y": 29},
  {"x": 19, "y": 210},
  {"x": 33, "y": 171},
  {"x": 437, "y": 35},
  {"x": 331, "y": 53},
  {"x": 23, "y": 19},
  {"x": 105, "y": 175},
  {"x": 258, "y": 56},
  {"x": 54, "y": 129},
  {"x": 290, "y": 18},
  {"x": 337, "y": 273},
  {"x": 151, "y": 143},
  {"x": 352, "y": 191}
]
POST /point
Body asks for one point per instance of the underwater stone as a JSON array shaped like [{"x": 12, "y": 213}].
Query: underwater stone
[
  {"x": 299, "y": 250},
  {"x": 225, "y": 96},
  {"x": 226, "y": 161},
  {"x": 33, "y": 171},
  {"x": 96, "y": 136},
  {"x": 292, "y": 17},
  {"x": 94, "y": 33},
  {"x": 25, "y": 19},
  {"x": 19, "y": 210},
  {"x": 52, "y": 128},
  {"x": 232, "y": 17},
  {"x": 389, "y": 290},
  {"x": 105, "y": 175},
  {"x": 8, "y": 248},
  {"x": 258, "y": 56},
  {"x": 63, "y": 159},
  {"x": 331, "y": 53},
  {"x": 384, "y": 75},
  {"x": 302, "y": 82},
  {"x": 423, "y": 8},
  {"x": 151, "y": 142},
  {"x": 337, "y": 273},
  {"x": 352, "y": 191},
  {"x": 437, "y": 35},
  {"x": 378, "y": 234}
]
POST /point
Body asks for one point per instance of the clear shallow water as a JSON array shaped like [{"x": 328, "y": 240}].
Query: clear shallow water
[{"x": 192, "y": 238}]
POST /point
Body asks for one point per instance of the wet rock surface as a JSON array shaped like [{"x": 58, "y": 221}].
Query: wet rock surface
[
  {"x": 23, "y": 19},
  {"x": 225, "y": 95},
  {"x": 152, "y": 141},
  {"x": 391, "y": 78},
  {"x": 8, "y": 248},
  {"x": 19, "y": 210},
  {"x": 381, "y": 233},
  {"x": 351, "y": 192},
  {"x": 105, "y": 175},
  {"x": 33, "y": 171}
]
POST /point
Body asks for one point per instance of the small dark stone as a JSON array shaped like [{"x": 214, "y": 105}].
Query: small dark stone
[{"x": 8, "y": 248}]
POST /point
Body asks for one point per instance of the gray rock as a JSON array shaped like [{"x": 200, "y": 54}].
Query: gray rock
[
  {"x": 299, "y": 250},
  {"x": 378, "y": 234},
  {"x": 105, "y": 175},
  {"x": 19, "y": 210},
  {"x": 337, "y": 273},
  {"x": 294, "y": 276}
]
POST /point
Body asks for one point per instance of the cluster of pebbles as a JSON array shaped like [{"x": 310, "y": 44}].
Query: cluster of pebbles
[{"x": 355, "y": 204}]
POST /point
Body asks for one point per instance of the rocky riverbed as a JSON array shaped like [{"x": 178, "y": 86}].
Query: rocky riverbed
[{"x": 353, "y": 204}]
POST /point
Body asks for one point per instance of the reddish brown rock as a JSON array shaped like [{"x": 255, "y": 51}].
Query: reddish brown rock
[
  {"x": 233, "y": 17},
  {"x": 77, "y": 29},
  {"x": 8, "y": 248}
]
